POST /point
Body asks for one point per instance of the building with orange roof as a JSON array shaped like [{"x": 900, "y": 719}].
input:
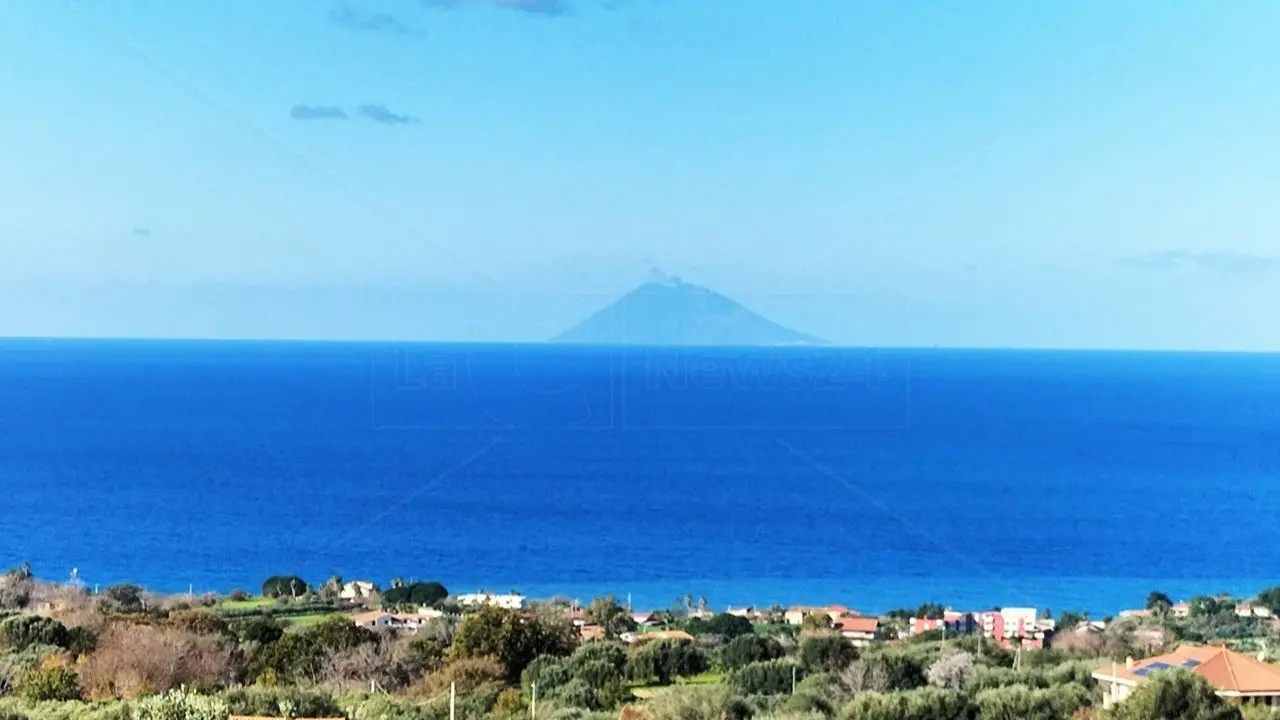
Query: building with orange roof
[
  {"x": 861, "y": 631},
  {"x": 1234, "y": 676}
]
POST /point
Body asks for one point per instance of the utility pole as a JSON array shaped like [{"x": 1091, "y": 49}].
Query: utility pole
[
  {"x": 452, "y": 699},
  {"x": 793, "y": 679},
  {"x": 533, "y": 702}
]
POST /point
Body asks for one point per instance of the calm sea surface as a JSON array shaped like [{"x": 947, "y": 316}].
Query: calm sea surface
[{"x": 874, "y": 478}]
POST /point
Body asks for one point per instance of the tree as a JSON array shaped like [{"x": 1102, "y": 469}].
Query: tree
[
  {"x": 16, "y": 586},
  {"x": 903, "y": 670},
  {"x": 1020, "y": 702},
  {"x": 332, "y": 587},
  {"x": 200, "y": 622},
  {"x": 1270, "y": 599},
  {"x": 419, "y": 593},
  {"x": 931, "y": 610},
  {"x": 826, "y": 652},
  {"x": 134, "y": 659},
  {"x": 951, "y": 671},
  {"x": 924, "y": 704},
  {"x": 278, "y": 586},
  {"x": 1204, "y": 606},
  {"x": 548, "y": 673},
  {"x": 1158, "y": 602},
  {"x": 816, "y": 621},
  {"x": 123, "y": 599},
  {"x": 259, "y": 629},
  {"x": 610, "y": 615},
  {"x": 1174, "y": 694},
  {"x": 746, "y": 649},
  {"x": 662, "y": 660},
  {"x": 21, "y": 632},
  {"x": 863, "y": 676},
  {"x": 598, "y": 662},
  {"x": 514, "y": 638},
  {"x": 723, "y": 624},
  {"x": 49, "y": 683},
  {"x": 769, "y": 677},
  {"x": 1069, "y": 619}
]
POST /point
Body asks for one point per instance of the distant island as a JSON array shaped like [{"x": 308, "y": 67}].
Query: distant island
[{"x": 668, "y": 311}]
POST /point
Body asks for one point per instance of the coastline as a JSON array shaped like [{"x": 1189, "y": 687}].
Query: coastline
[{"x": 1100, "y": 597}]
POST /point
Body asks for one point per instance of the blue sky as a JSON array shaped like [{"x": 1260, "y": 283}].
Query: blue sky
[{"x": 1071, "y": 174}]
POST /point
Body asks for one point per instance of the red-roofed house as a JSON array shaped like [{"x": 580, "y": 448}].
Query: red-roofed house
[
  {"x": 1233, "y": 676},
  {"x": 861, "y": 631}
]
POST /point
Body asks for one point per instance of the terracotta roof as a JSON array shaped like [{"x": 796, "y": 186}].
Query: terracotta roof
[
  {"x": 858, "y": 624},
  {"x": 667, "y": 635},
  {"x": 1227, "y": 671},
  {"x": 592, "y": 632},
  {"x": 366, "y": 617}
]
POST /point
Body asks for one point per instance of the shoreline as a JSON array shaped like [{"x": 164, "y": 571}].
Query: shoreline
[{"x": 1099, "y": 597}]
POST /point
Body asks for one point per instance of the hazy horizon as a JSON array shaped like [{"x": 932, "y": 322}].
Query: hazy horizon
[{"x": 1084, "y": 175}]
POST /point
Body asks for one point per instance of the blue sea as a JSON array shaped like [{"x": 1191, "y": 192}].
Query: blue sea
[{"x": 876, "y": 478}]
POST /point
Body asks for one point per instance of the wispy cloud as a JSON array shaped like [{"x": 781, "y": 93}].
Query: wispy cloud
[
  {"x": 532, "y": 7},
  {"x": 1222, "y": 261},
  {"x": 380, "y": 114},
  {"x": 356, "y": 20},
  {"x": 142, "y": 232},
  {"x": 317, "y": 112}
]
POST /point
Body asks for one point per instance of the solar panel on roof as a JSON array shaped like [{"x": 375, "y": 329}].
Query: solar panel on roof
[
  {"x": 1153, "y": 667},
  {"x": 1190, "y": 663}
]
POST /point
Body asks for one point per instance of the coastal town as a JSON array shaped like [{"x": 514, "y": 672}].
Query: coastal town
[{"x": 413, "y": 651}]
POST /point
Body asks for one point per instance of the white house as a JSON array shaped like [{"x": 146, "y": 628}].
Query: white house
[
  {"x": 358, "y": 590},
  {"x": 510, "y": 601},
  {"x": 412, "y": 622}
]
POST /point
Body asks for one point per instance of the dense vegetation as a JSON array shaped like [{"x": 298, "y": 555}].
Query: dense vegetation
[{"x": 127, "y": 654}]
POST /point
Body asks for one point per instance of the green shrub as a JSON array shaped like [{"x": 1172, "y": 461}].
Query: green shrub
[
  {"x": 922, "y": 704},
  {"x": 21, "y": 632},
  {"x": 770, "y": 677},
  {"x": 264, "y": 701},
  {"x": 1019, "y": 702},
  {"x": 48, "y": 683},
  {"x": 746, "y": 649},
  {"x": 807, "y": 704},
  {"x": 75, "y": 710},
  {"x": 662, "y": 660},
  {"x": 826, "y": 653},
  {"x": 181, "y": 705}
]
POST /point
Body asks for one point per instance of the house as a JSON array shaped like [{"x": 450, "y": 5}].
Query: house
[
  {"x": 1235, "y": 677},
  {"x": 1244, "y": 609},
  {"x": 1085, "y": 627},
  {"x": 796, "y": 614},
  {"x": 1015, "y": 626},
  {"x": 951, "y": 622},
  {"x": 412, "y": 622},
  {"x": 375, "y": 620},
  {"x": 591, "y": 632},
  {"x": 861, "y": 631},
  {"x": 1134, "y": 613},
  {"x": 358, "y": 590},
  {"x": 510, "y": 601},
  {"x": 644, "y": 619},
  {"x": 1180, "y": 610}
]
